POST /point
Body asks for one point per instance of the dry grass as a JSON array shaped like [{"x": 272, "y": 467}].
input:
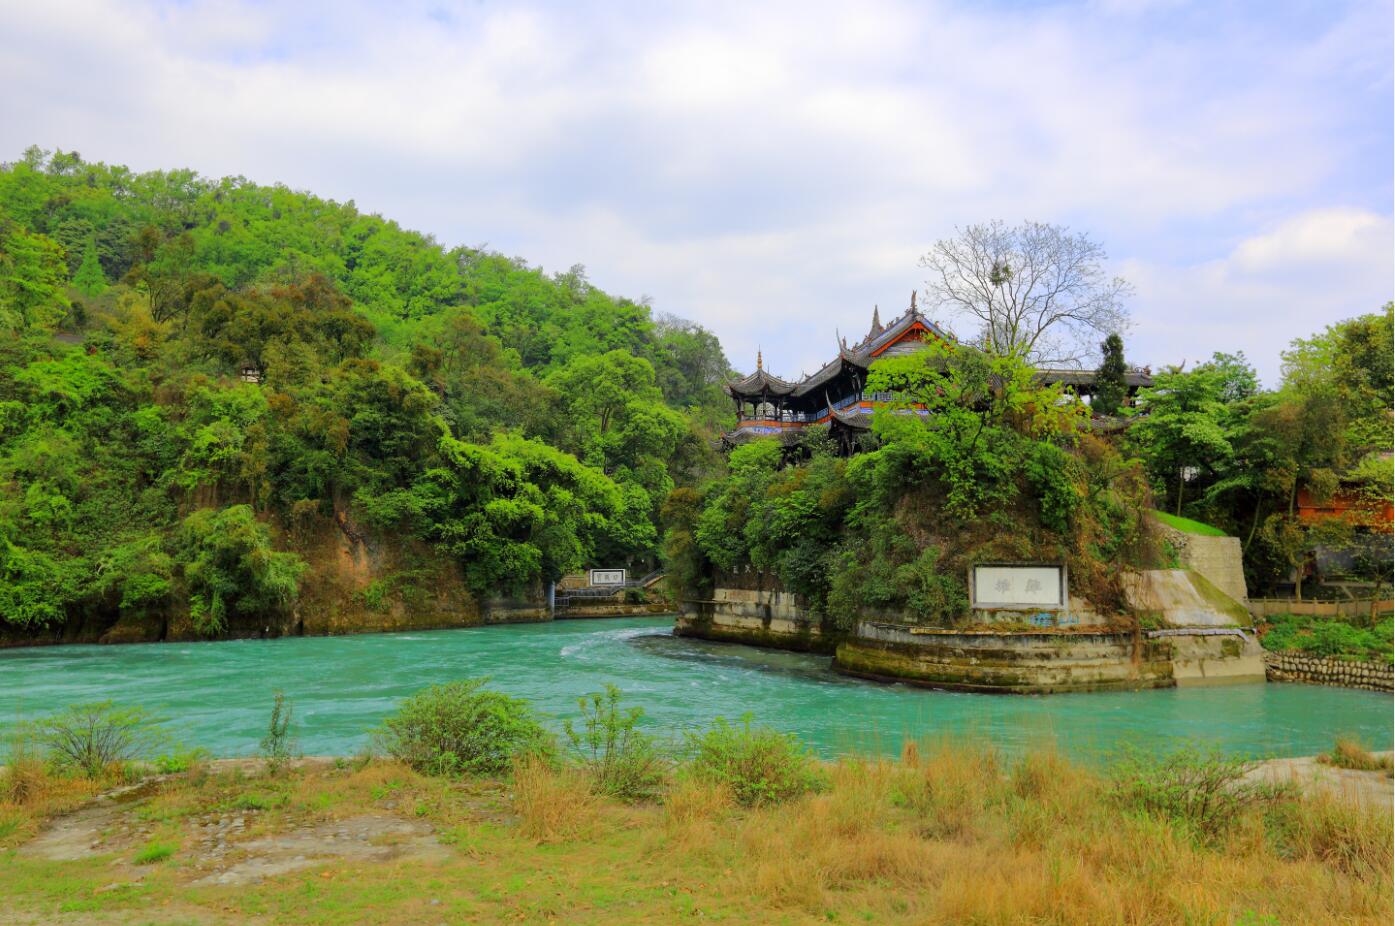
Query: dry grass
[
  {"x": 553, "y": 804},
  {"x": 1349, "y": 753},
  {"x": 949, "y": 833}
]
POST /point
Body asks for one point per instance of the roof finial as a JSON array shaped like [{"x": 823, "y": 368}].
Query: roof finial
[
  {"x": 760, "y": 363},
  {"x": 876, "y": 322},
  {"x": 912, "y": 302}
]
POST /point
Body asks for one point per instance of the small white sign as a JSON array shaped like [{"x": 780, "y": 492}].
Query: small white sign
[
  {"x": 1020, "y": 586},
  {"x": 607, "y": 577}
]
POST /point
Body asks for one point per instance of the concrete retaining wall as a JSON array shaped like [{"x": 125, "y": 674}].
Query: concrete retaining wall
[
  {"x": 1322, "y": 670},
  {"x": 1041, "y": 663},
  {"x": 758, "y": 616},
  {"x": 1219, "y": 559}
]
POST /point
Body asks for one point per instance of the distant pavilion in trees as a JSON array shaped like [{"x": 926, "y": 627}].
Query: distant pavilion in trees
[{"x": 767, "y": 405}]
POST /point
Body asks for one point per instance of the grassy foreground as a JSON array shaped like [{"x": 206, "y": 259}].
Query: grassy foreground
[{"x": 950, "y": 833}]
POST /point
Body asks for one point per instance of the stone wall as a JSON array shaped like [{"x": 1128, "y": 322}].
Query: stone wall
[
  {"x": 1041, "y": 662},
  {"x": 1322, "y": 670},
  {"x": 760, "y": 616},
  {"x": 1217, "y": 558}
]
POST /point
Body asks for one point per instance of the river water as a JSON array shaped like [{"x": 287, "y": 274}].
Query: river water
[{"x": 218, "y": 695}]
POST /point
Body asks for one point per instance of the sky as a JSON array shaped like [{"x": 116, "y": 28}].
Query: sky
[{"x": 774, "y": 170}]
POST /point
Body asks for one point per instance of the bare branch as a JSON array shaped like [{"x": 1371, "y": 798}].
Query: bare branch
[{"x": 1038, "y": 290}]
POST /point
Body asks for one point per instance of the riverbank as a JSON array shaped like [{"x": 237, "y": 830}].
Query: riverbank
[{"x": 948, "y": 833}]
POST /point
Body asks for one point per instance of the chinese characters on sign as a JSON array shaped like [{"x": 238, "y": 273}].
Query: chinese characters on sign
[
  {"x": 1008, "y": 586},
  {"x": 607, "y": 577}
]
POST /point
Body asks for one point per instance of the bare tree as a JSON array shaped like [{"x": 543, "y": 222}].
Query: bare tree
[{"x": 1036, "y": 290}]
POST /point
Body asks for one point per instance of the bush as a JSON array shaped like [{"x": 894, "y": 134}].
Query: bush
[
  {"x": 624, "y": 762},
  {"x": 172, "y": 763},
  {"x": 90, "y": 738},
  {"x": 460, "y": 729},
  {"x": 1317, "y": 636},
  {"x": 757, "y": 764},
  {"x": 1202, "y": 789}
]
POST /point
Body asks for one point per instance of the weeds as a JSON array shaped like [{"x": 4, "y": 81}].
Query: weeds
[
  {"x": 1202, "y": 789},
  {"x": 278, "y": 747},
  {"x": 624, "y": 762},
  {"x": 154, "y": 851},
  {"x": 553, "y": 804},
  {"x": 1351, "y": 754}
]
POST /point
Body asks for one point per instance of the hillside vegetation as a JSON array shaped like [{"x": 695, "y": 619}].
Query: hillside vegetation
[{"x": 206, "y": 384}]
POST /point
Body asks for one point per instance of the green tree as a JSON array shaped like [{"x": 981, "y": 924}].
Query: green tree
[
  {"x": 1110, "y": 388},
  {"x": 231, "y": 569},
  {"x": 89, "y": 278}
]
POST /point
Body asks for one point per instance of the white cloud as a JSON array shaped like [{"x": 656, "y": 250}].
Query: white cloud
[
  {"x": 772, "y": 170},
  {"x": 1290, "y": 281}
]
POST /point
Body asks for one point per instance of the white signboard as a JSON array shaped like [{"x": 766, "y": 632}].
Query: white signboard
[
  {"x": 607, "y": 577},
  {"x": 1019, "y": 586}
]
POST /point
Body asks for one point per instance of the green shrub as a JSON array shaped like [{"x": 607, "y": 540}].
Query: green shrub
[
  {"x": 278, "y": 747},
  {"x": 1201, "y": 789},
  {"x": 90, "y": 738},
  {"x": 172, "y": 763},
  {"x": 1319, "y": 636},
  {"x": 624, "y": 761},
  {"x": 459, "y": 728},
  {"x": 759, "y": 765}
]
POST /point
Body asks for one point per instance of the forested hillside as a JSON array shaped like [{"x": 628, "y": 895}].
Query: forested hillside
[{"x": 210, "y": 389}]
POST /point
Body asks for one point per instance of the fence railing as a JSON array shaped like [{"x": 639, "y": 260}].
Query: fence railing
[{"x": 1363, "y": 609}]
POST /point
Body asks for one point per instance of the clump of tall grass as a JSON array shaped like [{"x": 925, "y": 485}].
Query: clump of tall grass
[
  {"x": 1350, "y": 753},
  {"x": 1203, "y": 789},
  {"x": 554, "y": 803}
]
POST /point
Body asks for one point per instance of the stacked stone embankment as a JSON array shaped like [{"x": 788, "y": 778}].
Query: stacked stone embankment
[{"x": 1324, "y": 670}]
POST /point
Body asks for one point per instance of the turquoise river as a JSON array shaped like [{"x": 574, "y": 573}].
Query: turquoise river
[{"x": 218, "y": 695}]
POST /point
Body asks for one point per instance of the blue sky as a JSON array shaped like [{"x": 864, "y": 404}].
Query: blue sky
[{"x": 774, "y": 170}]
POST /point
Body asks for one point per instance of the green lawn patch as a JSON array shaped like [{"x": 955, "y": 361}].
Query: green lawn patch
[{"x": 1187, "y": 525}]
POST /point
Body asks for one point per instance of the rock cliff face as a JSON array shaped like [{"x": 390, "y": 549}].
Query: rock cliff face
[{"x": 354, "y": 583}]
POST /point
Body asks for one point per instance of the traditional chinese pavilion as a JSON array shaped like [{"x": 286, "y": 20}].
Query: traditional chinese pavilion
[{"x": 767, "y": 405}]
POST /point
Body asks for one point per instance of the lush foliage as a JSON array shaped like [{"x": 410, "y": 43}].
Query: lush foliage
[
  {"x": 1321, "y": 636},
  {"x": 757, "y": 764},
  {"x": 202, "y": 380},
  {"x": 975, "y": 461},
  {"x": 462, "y": 728},
  {"x": 1232, "y": 455}
]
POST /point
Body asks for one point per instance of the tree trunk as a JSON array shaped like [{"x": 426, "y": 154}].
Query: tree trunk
[
  {"x": 1259, "y": 506},
  {"x": 1181, "y": 482}
]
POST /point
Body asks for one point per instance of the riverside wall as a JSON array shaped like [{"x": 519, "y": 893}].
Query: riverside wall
[
  {"x": 1323, "y": 670},
  {"x": 1195, "y": 635}
]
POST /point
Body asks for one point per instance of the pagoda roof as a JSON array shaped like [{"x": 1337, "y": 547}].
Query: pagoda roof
[
  {"x": 760, "y": 383},
  {"x": 859, "y": 356}
]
